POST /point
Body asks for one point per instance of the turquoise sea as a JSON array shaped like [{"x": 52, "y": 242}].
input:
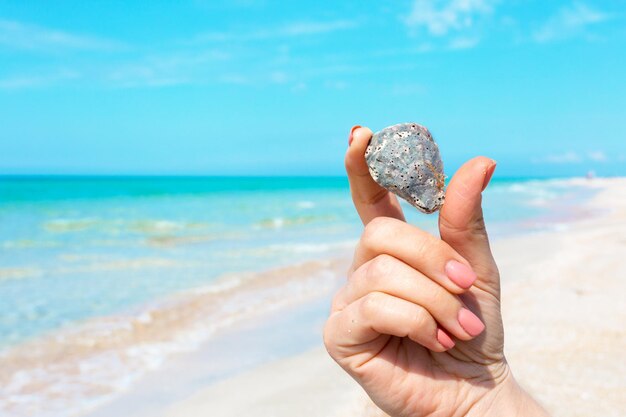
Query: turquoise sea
[{"x": 95, "y": 253}]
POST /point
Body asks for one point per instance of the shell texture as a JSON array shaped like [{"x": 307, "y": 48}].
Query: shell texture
[{"x": 405, "y": 160}]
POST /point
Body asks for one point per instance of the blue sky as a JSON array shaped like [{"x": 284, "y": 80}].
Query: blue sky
[{"x": 272, "y": 87}]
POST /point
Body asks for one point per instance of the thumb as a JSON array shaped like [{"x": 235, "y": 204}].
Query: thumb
[
  {"x": 370, "y": 199},
  {"x": 461, "y": 222}
]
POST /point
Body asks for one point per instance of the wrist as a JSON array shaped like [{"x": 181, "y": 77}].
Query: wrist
[{"x": 507, "y": 399}]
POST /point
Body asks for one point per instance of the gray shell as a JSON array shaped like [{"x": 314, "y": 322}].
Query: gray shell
[{"x": 405, "y": 160}]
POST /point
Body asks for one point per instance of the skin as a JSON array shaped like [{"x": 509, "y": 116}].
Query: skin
[{"x": 392, "y": 325}]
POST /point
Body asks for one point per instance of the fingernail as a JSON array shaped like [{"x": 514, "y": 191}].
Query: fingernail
[
  {"x": 489, "y": 174},
  {"x": 470, "y": 323},
  {"x": 351, "y": 132},
  {"x": 461, "y": 274},
  {"x": 445, "y": 340}
]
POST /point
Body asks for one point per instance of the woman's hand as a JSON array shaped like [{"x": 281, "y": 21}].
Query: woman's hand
[{"x": 418, "y": 323}]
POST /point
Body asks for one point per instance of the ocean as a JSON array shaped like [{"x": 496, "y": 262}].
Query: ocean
[{"x": 103, "y": 278}]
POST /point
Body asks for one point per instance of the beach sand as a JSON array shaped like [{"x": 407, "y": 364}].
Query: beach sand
[{"x": 564, "y": 318}]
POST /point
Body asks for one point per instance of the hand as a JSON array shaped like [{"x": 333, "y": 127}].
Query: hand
[{"x": 418, "y": 323}]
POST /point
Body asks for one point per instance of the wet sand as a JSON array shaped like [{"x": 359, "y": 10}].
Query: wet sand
[
  {"x": 564, "y": 320},
  {"x": 109, "y": 363}
]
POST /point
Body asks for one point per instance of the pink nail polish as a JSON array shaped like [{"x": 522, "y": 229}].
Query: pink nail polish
[
  {"x": 461, "y": 274},
  {"x": 445, "y": 340},
  {"x": 351, "y": 132},
  {"x": 470, "y": 323}
]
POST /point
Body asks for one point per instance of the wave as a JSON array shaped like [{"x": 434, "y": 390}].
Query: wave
[
  {"x": 75, "y": 370},
  {"x": 19, "y": 273},
  {"x": 147, "y": 227},
  {"x": 29, "y": 244},
  {"x": 305, "y": 204},
  {"x": 290, "y": 221}
]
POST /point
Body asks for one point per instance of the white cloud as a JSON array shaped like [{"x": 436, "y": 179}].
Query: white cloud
[
  {"x": 299, "y": 88},
  {"x": 202, "y": 66},
  {"x": 463, "y": 42},
  {"x": 572, "y": 157},
  {"x": 20, "y": 82},
  {"x": 165, "y": 69},
  {"x": 33, "y": 81},
  {"x": 279, "y": 77},
  {"x": 233, "y": 78},
  {"x": 565, "y": 158},
  {"x": 408, "y": 89},
  {"x": 144, "y": 76},
  {"x": 336, "y": 85},
  {"x": 289, "y": 30},
  {"x": 419, "y": 49},
  {"x": 598, "y": 156},
  {"x": 441, "y": 17},
  {"x": 16, "y": 35},
  {"x": 569, "y": 21},
  {"x": 312, "y": 28},
  {"x": 569, "y": 157}
]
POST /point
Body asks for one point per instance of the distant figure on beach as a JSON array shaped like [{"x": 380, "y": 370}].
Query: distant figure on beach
[{"x": 418, "y": 323}]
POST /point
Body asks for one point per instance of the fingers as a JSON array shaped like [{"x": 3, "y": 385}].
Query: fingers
[
  {"x": 362, "y": 322},
  {"x": 461, "y": 222},
  {"x": 421, "y": 251},
  {"x": 390, "y": 276},
  {"x": 370, "y": 199}
]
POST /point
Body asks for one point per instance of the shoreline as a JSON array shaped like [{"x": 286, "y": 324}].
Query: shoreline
[
  {"x": 564, "y": 332},
  {"x": 289, "y": 291},
  {"x": 135, "y": 345}
]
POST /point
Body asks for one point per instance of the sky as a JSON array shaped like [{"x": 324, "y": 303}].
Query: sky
[{"x": 266, "y": 87}]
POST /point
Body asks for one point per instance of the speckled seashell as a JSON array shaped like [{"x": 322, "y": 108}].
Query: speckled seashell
[{"x": 405, "y": 160}]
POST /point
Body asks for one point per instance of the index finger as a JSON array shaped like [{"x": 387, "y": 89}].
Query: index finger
[{"x": 370, "y": 199}]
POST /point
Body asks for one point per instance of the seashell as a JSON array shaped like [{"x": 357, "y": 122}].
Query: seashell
[{"x": 405, "y": 160}]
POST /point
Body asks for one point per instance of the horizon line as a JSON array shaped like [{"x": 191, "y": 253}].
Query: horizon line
[{"x": 248, "y": 176}]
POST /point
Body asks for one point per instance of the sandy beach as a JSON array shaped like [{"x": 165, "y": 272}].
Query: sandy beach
[{"x": 563, "y": 312}]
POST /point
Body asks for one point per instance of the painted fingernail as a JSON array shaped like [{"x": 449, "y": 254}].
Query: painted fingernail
[
  {"x": 470, "y": 322},
  {"x": 351, "y": 132},
  {"x": 489, "y": 174},
  {"x": 445, "y": 340},
  {"x": 461, "y": 274}
]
